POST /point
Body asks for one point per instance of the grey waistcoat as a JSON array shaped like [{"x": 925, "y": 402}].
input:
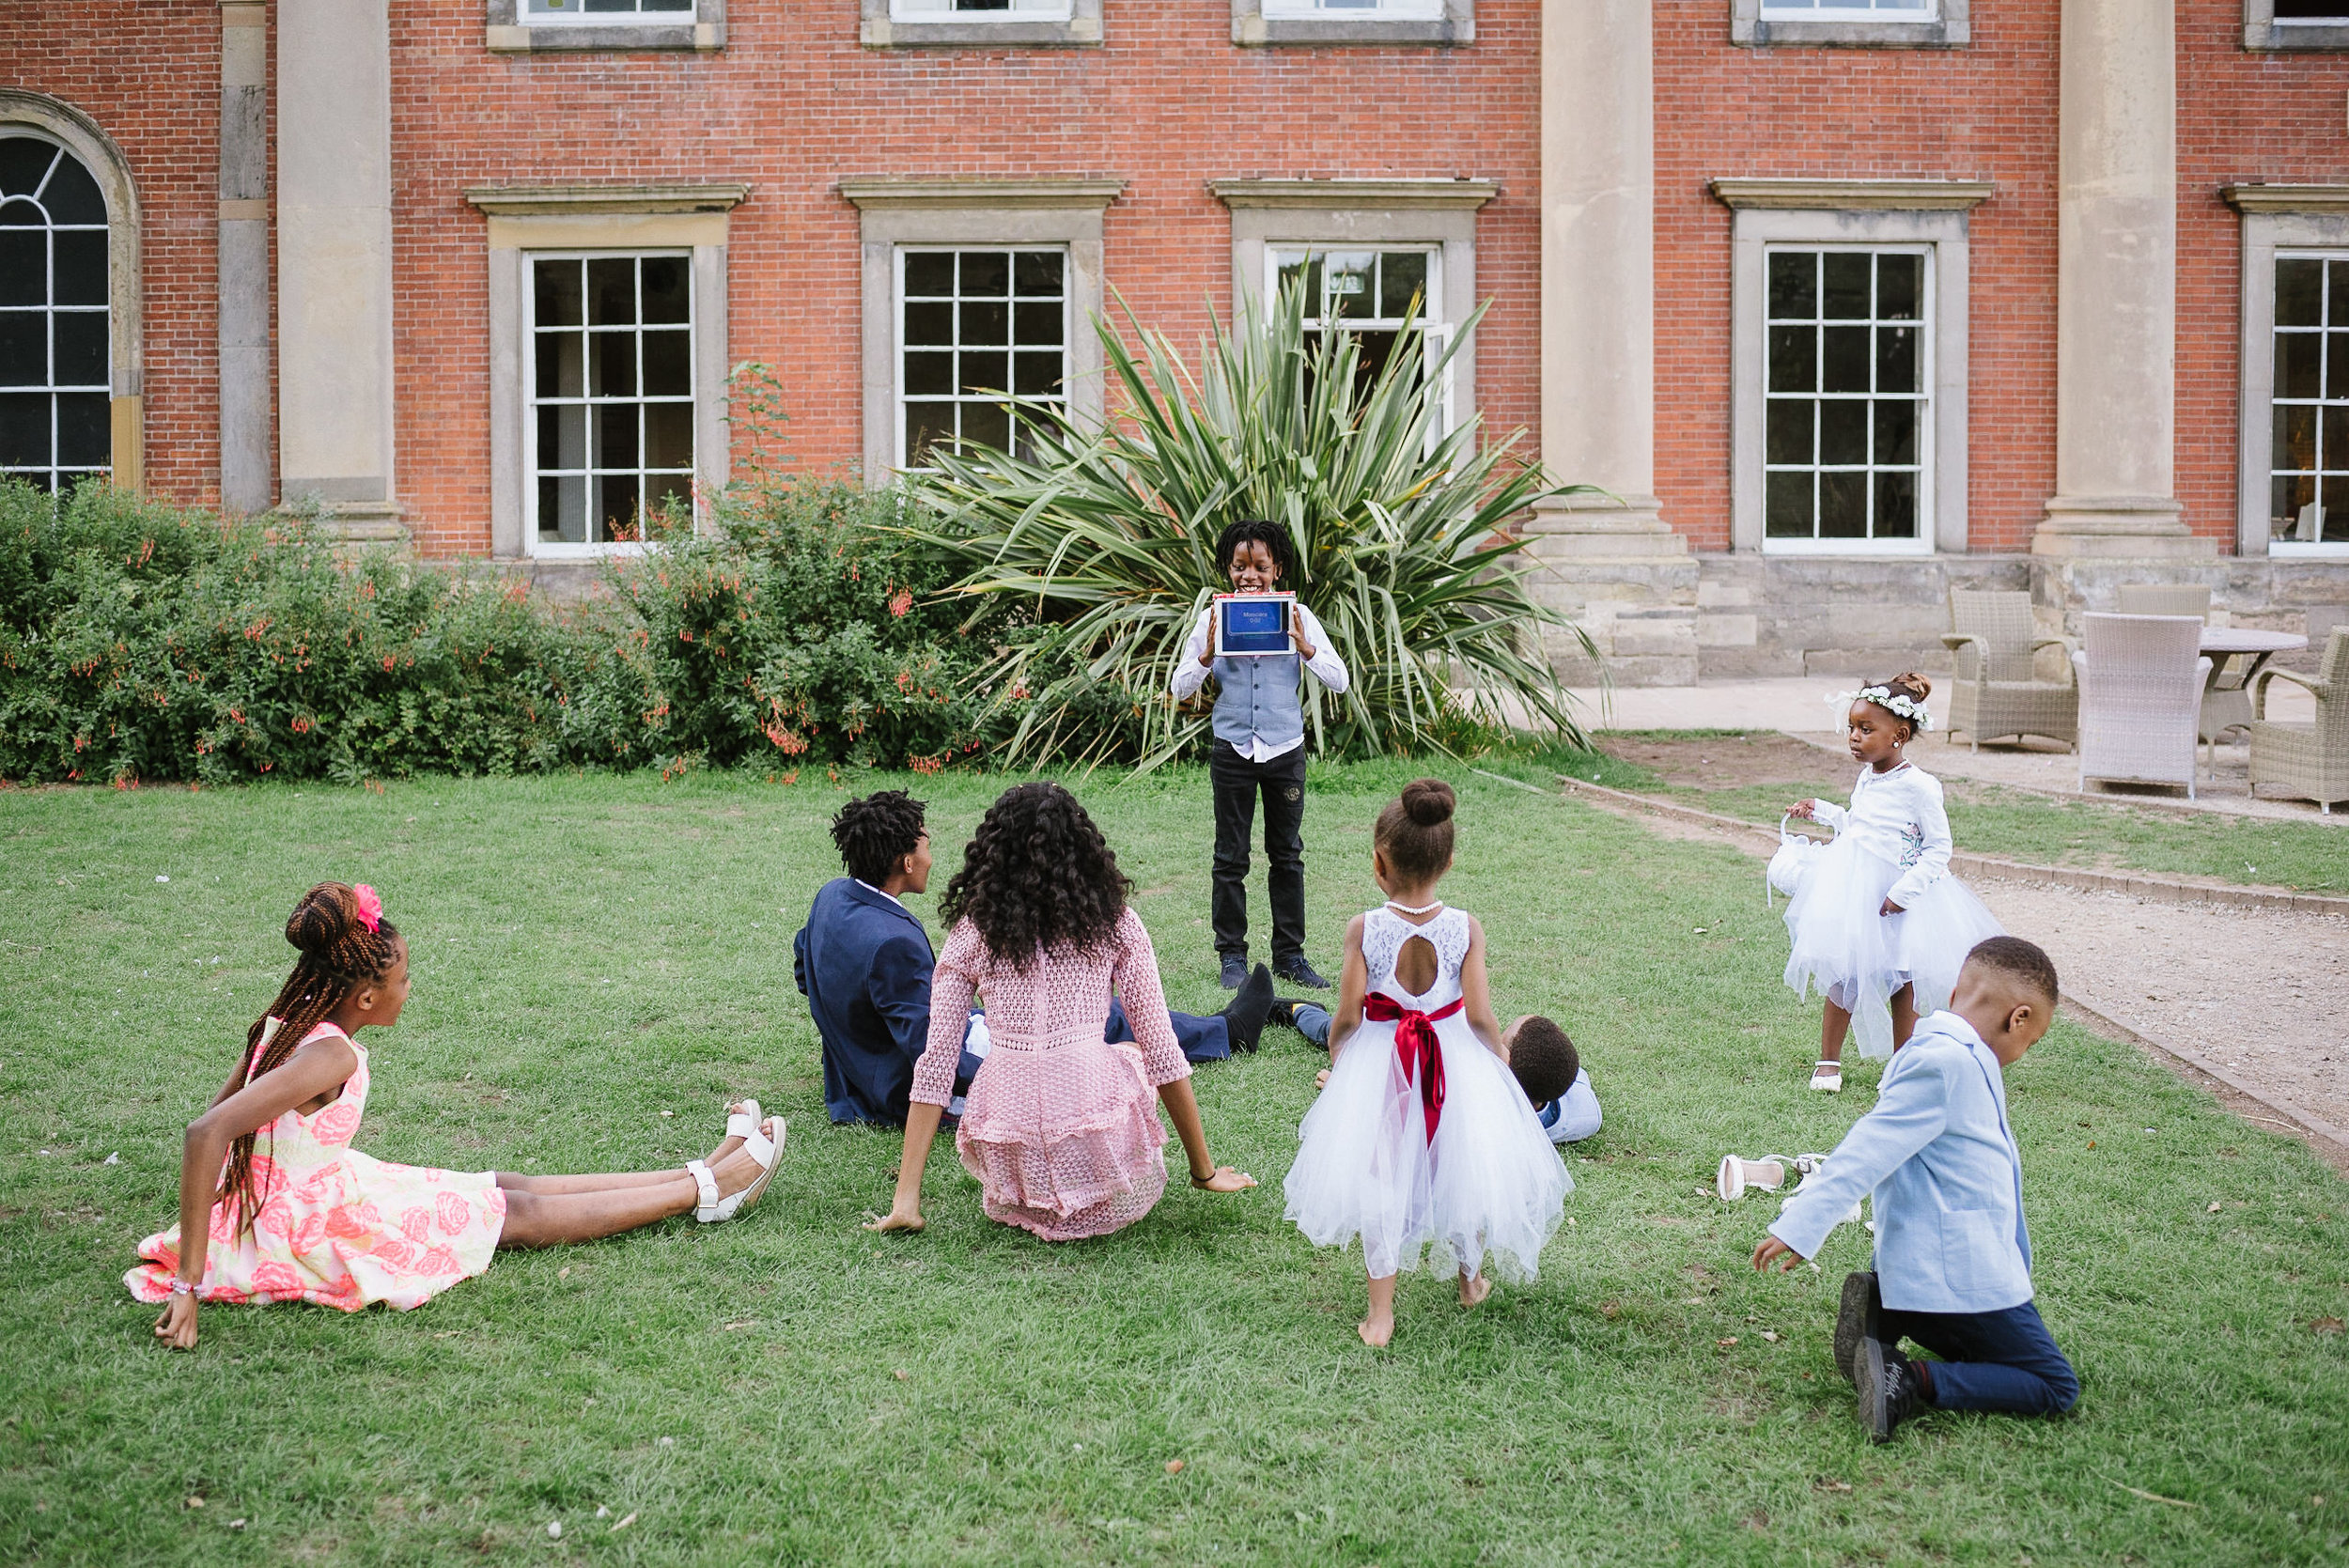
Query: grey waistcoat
[{"x": 1256, "y": 699}]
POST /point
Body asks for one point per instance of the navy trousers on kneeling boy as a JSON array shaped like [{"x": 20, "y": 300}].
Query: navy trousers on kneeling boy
[{"x": 2004, "y": 1361}]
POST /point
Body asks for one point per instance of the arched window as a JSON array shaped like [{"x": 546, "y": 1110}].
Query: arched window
[{"x": 56, "y": 352}]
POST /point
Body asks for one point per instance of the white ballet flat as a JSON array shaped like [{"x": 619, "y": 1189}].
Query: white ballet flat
[
  {"x": 1827, "y": 1077},
  {"x": 762, "y": 1145}
]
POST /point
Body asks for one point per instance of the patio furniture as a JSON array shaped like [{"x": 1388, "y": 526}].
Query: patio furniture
[
  {"x": 2308, "y": 760},
  {"x": 2140, "y": 688},
  {"x": 2236, "y": 655},
  {"x": 1997, "y": 692},
  {"x": 2165, "y": 599}
]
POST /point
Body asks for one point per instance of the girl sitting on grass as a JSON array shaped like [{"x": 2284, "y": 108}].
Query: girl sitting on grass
[
  {"x": 281, "y": 1208},
  {"x": 1421, "y": 1137}
]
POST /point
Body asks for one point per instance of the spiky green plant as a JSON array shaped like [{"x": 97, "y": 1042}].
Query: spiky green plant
[{"x": 1402, "y": 530}]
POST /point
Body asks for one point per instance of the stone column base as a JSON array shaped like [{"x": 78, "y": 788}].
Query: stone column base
[
  {"x": 1621, "y": 573},
  {"x": 2134, "y": 527},
  {"x": 363, "y": 522}
]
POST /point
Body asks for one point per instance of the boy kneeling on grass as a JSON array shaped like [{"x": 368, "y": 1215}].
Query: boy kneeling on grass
[{"x": 1952, "y": 1257}]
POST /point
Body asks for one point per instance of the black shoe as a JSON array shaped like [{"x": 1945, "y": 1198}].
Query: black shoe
[
  {"x": 1235, "y": 970},
  {"x": 1244, "y": 1020},
  {"x": 1284, "y": 1010},
  {"x": 1297, "y": 971},
  {"x": 1860, "y": 1315},
  {"x": 1889, "y": 1390}
]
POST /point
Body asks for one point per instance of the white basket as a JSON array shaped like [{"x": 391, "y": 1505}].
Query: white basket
[{"x": 1788, "y": 867}]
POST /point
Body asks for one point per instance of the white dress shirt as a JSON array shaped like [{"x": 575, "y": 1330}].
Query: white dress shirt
[{"x": 1324, "y": 666}]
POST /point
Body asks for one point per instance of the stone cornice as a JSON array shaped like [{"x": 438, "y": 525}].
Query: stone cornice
[
  {"x": 1856, "y": 195},
  {"x": 2286, "y": 198},
  {"x": 1436, "y": 194},
  {"x": 572, "y": 201},
  {"x": 990, "y": 195}
]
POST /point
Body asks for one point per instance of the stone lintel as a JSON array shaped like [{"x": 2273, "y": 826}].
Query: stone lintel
[
  {"x": 1855, "y": 195},
  {"x": 989, "y": 195},
  {"x": 2262, "y": 197},
  {"x": 1437, "y": 194},
  {"x": 565, "y": 201}
]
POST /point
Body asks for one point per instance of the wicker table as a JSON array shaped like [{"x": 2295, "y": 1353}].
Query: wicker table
[{"x": 2236, "y": 654}]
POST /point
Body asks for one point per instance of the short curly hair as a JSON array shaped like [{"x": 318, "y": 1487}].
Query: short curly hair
[
  {"x": 876, "y": 833},
  {"x": 1544, "y": 1060},
  {"x": 1037, "y": 876},
  {"x": 1256, "y": 531}
]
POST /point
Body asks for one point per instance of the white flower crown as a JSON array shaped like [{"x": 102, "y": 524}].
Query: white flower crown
[{"x": 1900, "y": 705}]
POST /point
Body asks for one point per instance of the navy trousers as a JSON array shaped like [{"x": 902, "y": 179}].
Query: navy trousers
[
  {"x": 2003, "y": 1361},
  {"x": 1207, "y": 1039}
]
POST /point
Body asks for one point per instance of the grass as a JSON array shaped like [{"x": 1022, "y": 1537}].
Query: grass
[
  {"x": 2016, "y": 824},
  {"x": 590, "y": 951}
]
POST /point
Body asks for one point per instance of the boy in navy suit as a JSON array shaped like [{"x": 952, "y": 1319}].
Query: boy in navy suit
[
  {"x": 863, "y": 962},
  {"x": 1952, "y": 1256}
]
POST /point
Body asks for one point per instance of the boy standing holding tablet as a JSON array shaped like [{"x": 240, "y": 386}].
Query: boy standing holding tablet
[{"x": 1259, "y": 747}]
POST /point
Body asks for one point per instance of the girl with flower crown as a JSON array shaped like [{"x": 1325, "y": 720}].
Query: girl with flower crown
[
  {"x": 1879, "y": 925},
  {"x": 280, "y": 1208}
]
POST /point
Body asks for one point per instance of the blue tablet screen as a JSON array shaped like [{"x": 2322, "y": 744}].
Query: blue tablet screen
[{"x": 1255, "y": 625}]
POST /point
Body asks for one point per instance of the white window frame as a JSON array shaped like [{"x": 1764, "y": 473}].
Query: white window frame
[
  {"x": 1056, "y": 24},
  {"x": 1391, "y": 22},
  {"x": 1069, "y": 328},
  {"x": 575, "y": 14},
  {"x": 1941, "y": 24},
  {"x": 1768, "y": 213},
  {"x": 2277, "y": 222},
  {"x": 946, "y": 11},
  {"x": 514, "y": 29},
  {"x": 1341, "y": 10},
  {"x": 1850, "y": 10},
  {"x": 1437, "y": 328},
  {"x": 2264, "y": 30},
  {"x": 49, "y": 310}
]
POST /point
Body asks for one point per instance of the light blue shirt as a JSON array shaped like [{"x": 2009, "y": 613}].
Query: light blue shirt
[{"x": 1941, "y": 1161}]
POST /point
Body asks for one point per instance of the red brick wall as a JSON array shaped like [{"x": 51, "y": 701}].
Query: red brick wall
[
  {"x": 149, "y": 76},
  {"x": 793, "y": 105},
  {"x": 2242, "y": 116},
  {"x": 1986, "y": 111}
]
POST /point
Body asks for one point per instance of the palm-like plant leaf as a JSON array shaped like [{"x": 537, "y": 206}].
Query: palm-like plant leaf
[{"x": 1400, "y": 528}]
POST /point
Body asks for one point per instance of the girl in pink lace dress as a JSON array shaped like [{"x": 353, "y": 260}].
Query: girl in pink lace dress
[
  {"x": 282, "y": 1208},
  {"x": 1060, "y": 1128}
]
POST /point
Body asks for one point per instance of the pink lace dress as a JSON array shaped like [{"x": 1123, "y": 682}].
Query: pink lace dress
[
  {"x": 337, "y": 1227},
  {"x": 1062, "y": 1128}
]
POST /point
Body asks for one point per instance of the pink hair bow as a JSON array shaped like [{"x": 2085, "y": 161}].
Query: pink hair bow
[{"x": 371, "y": 905}]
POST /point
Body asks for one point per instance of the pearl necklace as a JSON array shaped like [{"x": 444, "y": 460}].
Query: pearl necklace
[{"x": 1408, "y": 909}]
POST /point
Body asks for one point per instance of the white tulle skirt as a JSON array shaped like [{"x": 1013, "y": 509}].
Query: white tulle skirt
[
  {"x": 1857, "y": 959},
  {"x": 1485, "y": 1196}
]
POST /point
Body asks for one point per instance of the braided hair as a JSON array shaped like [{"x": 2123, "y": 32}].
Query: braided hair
[
  {"x": 1037, "y": 874},
  {"x": 340, "y": 953}
]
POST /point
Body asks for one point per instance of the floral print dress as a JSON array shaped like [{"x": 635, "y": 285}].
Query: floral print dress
[{"x": 334, "y": 1226}]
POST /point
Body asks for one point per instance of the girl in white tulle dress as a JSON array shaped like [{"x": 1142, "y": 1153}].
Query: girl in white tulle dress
[
  {"x": 1421, "y": 1143},
  {"x": 1880, "y": 926}
]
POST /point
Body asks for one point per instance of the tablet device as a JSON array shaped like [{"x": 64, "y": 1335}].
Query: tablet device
[{"x": 1252, "y": 624}]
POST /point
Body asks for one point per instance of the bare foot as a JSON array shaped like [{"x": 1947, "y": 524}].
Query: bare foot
[
  {"x": 1377, "y": 1329},
  {"x": 1473, "y": 1289}
]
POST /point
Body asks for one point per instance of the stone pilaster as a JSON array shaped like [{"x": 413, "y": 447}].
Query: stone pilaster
[
  {"x": 2116, "y": 329},
  {"x": 1611, "y": 561},
  {"x": 335, "y": 259},
  {"x": 243, "y": 263}
]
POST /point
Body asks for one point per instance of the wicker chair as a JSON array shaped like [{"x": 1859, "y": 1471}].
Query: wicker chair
[
  {"x": 1995, "y": 693},
  {"x": 2305, "y": 760},
  {"x": 2140, "y": 682}
]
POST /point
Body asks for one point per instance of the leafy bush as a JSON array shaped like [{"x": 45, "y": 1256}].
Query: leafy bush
[
  {"x": 1401, "y": 529},
  {"x": 142, "y": 642}
]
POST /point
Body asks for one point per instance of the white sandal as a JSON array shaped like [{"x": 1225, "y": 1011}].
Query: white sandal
[
  {"x": 1736, "y": 1175},
  {"x": 1827, "y": 1077},
  {"x": 763, "y": 1147}
]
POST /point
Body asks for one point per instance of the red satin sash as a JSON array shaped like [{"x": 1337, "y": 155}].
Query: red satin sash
[{"x": 1416, "y": 1047}]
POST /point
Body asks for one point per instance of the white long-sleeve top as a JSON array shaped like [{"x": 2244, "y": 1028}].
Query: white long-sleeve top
[
  {"x": 1899, "y": 816},
  {"x": 1324, "y": 666}
]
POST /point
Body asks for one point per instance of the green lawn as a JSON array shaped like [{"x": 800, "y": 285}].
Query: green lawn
[{"x": 591, "y": 952}]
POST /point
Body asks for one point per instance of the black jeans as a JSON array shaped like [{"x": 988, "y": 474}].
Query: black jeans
[
  {"x": 2003, "y": 1361},
  {"x": 1236, "y": 782}
]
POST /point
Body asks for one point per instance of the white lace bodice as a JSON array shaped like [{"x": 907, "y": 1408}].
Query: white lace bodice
[
  {"x": 1384, "y": 932},
  {"x": 1897, "y": 816}
]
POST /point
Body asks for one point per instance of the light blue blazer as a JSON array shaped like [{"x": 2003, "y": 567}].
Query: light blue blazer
[{"x": 1941, "y": 1164}]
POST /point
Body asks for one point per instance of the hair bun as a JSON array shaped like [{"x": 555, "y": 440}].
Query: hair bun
[
  {"x": 1428, "y": 801},
  {"x": 323, "y": 918},
  {"x": 1915, "y": 682}
]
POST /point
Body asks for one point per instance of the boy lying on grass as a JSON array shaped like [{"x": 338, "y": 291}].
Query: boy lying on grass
[{"x": 1952, "y": 1257}]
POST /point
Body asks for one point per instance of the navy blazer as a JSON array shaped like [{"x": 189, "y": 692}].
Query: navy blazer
[{"x": 864, "y": 963}]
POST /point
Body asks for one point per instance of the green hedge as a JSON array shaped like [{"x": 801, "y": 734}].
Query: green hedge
[{"x": 144, "y": 643}]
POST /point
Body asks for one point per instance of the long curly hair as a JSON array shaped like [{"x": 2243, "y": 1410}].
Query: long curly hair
[
  {"x": 1036, "y": 876},
  {"x": 339, "y": 955}
]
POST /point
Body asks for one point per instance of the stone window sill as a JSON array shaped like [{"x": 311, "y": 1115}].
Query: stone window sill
[
  {"x": 1260, "y": 32},
  {"x": 2283, "y": 38},
  {"x": 880, "y": 32},
  {"x": 1852, "y": 35},
  {"x": 704, "y": 37}
]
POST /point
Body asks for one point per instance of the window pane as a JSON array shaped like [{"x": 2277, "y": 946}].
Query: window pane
[
  {"x": 985, "y": 372},
  {"x": 1347, "y": 282},
  {"x": 986, "y": 321},
  {"x": 1844, "y": 430},
  {"x": 79, "y": 266},
  {"x": 927, "y": 424},
  {"x": 1787, "y": 515},
  {"x": 1843, "y": 505},
  {"x": 80, "y": 338},
  {"x": 1036, "y": 375},
  {"x": 2336, "y": 365},
  {"x": 23, "y": 429},
  {"x": 1845, "y": 360},
  {"x": 1794, "y": 286},
  {"x": 612, "y": 365},
  {"x": 1037, "y": 272},
  {"x": 1895, "y": 431},
  {"x": 563, "y": 436},
  {"x": 561, "y": 365},
  {"x": 986, "y": 273},
  {"x": 24, "y": 267},
  {"x": 2336, "y": 293},
  {"x": 2332, "y": 450},
  {"x": 71, "y": 195},
  {"x": 24, "y": 163},
  {"x": 1896, "y": 506},
  {"x": 611, "y": 291},
  {"x": 1793, "y": 359},
  {"x": 1788, "y": 438},
  {"x": 20, "y": 214},
  {"x": 24, "y": 348},
  {"x": 1900, "y": 287},
  {"x": 85, "y": 428},
  {"x": 1304, "y": 273},
  {"x": 989, "y": 423},
  {"x": 1401, "y": 275},
  {"x": 552, "y": 514},
  {"x": 929, "y": 375},
  {"x": 669, "y": 435},
  {"x": 614, "y": 424},
  {"x": 930, "y": 273},
  {"x": 668, "y": 288},
  {"x": 616, "y": 506},
  {"x": 668, "y": 364},
  {"x": 2286, "y": 499},
  {"x": 931, "y": 324},
  {"x": 2299, "y": 293},
  {"x": 1037, "y": 326},
  {"x": 1847, "y": 293},
  {"x": 558, "y": 302},
  {"x": 1896, "y": 359},
  {"x": 2295, "y": 436},
  {"x": 2332, "y": 522},
  {"x": 2299, "y": 358}
]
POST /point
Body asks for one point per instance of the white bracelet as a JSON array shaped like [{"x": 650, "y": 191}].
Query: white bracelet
[{"x": 181, "y": 1287}]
